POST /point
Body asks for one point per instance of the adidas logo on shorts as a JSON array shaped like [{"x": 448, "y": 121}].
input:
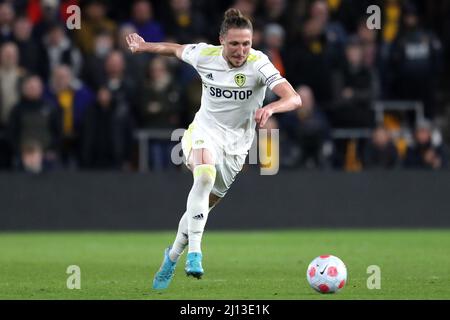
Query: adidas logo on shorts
[
  {"x": 198, "y": 217},
  {"x": 210, "y": 76}
]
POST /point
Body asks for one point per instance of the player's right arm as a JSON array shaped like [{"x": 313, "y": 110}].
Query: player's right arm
[{"x": 137, "y": 44}]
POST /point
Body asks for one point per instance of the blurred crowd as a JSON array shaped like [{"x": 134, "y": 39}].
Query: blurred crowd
[{"x": 74, "y": 99}]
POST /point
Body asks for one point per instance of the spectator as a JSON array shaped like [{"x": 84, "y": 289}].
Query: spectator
[
  {"x": 124, "y": 96},
  {"x": 273, "y": 46},
  {"x": 380, "y": 152},
  {"x": 59, "y": 50},
  {"x": 416, "y": 62},
  {"x": 72, "y": 99},
  {"x": 183, "y": 23},
  {"x": 372, "y": 59},
  {"x": 43, "y": 14},
  {"x": 31, "y": 52},
  {"x": 307, "y": 131},
  {"x": 347, "y": 12},
  {"x": 354, "y": 90},
  {"x": 32, "y": 158},
  {"x": 368, "y": 38},
  {"x": 247, "y": 8},
  {"x": 10, "y": 77},
  {"x": 274, "y": 11},
  {"x": 93, "y": 20},
  {"x": 258, "y": 36},
  {"x": 7, "y": 15},
  {"x": 310, "y": 54},
  {"x": 143, "y": 21},
  {"x": 106, "y": 134},
  {"x": 159, "y": 107},
  {"x": 335, "y": 34},
  {"x": 424, "y": 154},
  {"x": 93, "y": 69},
  {"x": 125, "y": 29},
  {"x": 122, "y": 87},
  {"x": 159, "y": 97},
  {"x": 33, "y": 119}
]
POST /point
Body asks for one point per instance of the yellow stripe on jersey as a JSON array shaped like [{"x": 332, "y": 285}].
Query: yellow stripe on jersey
[
  {"x": 211, "y": 51},
  {"x": 215, "y": 51},
  {"x": 252, "y": 58}
]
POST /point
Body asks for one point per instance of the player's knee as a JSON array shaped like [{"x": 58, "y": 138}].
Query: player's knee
[{"x": 205, "y": 174}]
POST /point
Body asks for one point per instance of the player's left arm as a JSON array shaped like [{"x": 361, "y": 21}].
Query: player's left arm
[{"x": 289, "y": 100}]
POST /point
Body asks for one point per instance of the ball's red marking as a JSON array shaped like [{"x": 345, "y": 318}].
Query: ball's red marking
[
  {"x": 341, "y": 284},
  {"x": 312, "y": 272},
  {"x": 324, "y": 256},
  {"x": 324, "y": 288},
  {"x": 332, "y": 272}
]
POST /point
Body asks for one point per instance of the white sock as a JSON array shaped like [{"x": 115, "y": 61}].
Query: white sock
[
  {"x": 181, "y": 240},
  {"x": 197, "y": 208}
]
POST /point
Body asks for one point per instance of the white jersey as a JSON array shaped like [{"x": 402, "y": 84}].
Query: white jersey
[{"x": 230, "y": 96}]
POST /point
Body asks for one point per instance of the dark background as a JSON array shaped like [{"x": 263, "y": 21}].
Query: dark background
[{"x": 112, "y": 201}]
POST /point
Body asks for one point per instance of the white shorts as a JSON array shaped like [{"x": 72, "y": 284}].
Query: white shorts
[{"x": 227, "y": 165}]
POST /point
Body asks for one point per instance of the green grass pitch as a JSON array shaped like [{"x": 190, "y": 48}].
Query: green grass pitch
[{"x": 415, "y": 264}]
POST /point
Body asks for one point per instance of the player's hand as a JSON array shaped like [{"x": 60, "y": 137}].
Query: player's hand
[
  {"x": 134, "y": 42},
  {"x": 262, "y": 115}
]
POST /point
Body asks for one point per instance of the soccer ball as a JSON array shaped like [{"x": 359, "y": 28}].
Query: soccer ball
[{"x": 327, "y": 274}]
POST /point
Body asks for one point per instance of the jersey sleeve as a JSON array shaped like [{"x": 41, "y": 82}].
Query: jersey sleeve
[
  {"x": 267, "y": 73},
  {"x": 191, "y": 53}
]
